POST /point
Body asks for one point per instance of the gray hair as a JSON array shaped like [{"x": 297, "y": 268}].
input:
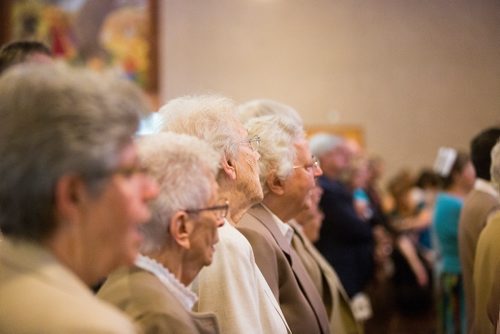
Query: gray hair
[
  {"x": 55, "y": 120},
  {"x": 208, "y": 117},
  {"x": 277, "y": 151},
  {"x": 182, "y": 165},
  {"x": 322, "y": 143},
  {"x": 263, "y": 107},
  {"x": 495, "y": 165}
]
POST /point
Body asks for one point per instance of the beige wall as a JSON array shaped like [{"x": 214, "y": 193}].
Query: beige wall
[{"x": 415, "y": 74}]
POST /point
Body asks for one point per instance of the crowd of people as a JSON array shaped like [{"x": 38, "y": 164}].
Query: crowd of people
[{"x": 227, "y": 218}]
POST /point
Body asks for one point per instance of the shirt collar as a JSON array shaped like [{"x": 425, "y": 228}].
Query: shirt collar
[
  {"x": 285, "y": 229},
  {"x": 185, "y": 296},
  {"x": 486, "y": 187}
]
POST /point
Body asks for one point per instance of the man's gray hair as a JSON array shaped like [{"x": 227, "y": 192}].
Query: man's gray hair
[
  {"x": 278, "y": 135},
  {"x": 322, "y": 143},
  {"x": 55, "y": 120},
  {"x": 495, "y": 166},
  {"x": 208, "y": 117},
  {"x": 263, "y": 107},
  {"x": 182, "y": 165}
]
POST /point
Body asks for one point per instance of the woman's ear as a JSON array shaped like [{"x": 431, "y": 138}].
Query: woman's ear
[
  {"x": 274, "y": 183},
  {"x": 228, "y": 166},
  {"x": 180, "y": 228},
  {"x": 70, "y": 193}
]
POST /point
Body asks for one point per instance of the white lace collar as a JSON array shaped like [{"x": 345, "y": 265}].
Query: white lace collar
[{"x": 185, "y": 296}]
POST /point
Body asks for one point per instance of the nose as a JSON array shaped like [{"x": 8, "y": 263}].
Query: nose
[
  {"x": 317, "y": 171},
  {"x": 220, "y": 222}
]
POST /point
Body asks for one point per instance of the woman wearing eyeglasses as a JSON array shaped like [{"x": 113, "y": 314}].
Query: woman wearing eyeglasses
[{"x": 178, "y": 241}]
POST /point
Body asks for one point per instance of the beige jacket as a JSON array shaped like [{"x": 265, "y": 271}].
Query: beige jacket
[
  {"x": 325, "y": 279},
  {"x": 39, "y": 295}
]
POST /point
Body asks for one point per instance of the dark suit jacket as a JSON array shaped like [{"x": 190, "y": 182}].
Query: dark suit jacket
[
  {"x": 346, "y": 241},
  {"x": 282, "y": 268},
  {"x": 142, "y": 296}
]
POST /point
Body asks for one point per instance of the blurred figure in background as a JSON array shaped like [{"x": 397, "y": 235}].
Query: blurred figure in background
[
  {"x": 478, "y": 206},
  {"x": 178, "y": 241},
  {"x": 487, "y": 262},
  {"x": 346, "y": 240},
  {"x": 72, "y": 197},
  {"x": 458, "y": 175},
  {"x": 17, "y": 52}
]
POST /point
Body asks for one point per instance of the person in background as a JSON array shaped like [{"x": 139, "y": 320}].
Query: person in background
[
  {"x": 346, "y": 240},
  {"x": 178, "y": 241},
  {"x": 72, "y": 197},
  {"x": 487, "y": 262},
  {"x": 478, "y": 206},
  {"x": 458, "y": 175},
  {"x": 287, "y": 173},
  {"x": 232, "y": 287},
  {"x": 17, "y": 52}
]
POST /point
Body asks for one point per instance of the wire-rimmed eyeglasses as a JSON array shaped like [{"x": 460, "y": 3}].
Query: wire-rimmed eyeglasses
[
  {"x": 253, "y": 142},
  {"x": 311, "y": 166},
  {"x": 220, "y": 210}
]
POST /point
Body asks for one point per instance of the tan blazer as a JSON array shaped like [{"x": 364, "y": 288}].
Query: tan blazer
[
  {"x": 486, "y": 268},
  {"x": 299, "y": 300},
  {"x": 478, "y": 205},
  {"x": 336, "y": 301},
  {"x": 145, "y": 299},
  {"x": 39, "y": 295}
]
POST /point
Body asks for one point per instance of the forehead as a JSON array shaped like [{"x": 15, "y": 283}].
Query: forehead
[{"x": 303, "y": 153}]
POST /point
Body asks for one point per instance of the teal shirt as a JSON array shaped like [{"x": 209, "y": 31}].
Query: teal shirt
[{"x": 445, "y": 223}]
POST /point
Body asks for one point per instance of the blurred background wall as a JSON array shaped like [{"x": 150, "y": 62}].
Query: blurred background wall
[{"x": 413, "y": 75}]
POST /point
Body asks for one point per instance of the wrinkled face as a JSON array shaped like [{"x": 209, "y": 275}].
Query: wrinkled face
[
  {"x": 111, "y": 219},
  {"x": 247, "y": 170},
  {"x": 301, "y": 182},
  {"x": 204, "y": 236},
  {"x": 337, "y": 160}
]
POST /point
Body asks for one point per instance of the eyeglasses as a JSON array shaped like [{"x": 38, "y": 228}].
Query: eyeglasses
[
  {"x": 314, "y": 165},
  {"x": 253, "y": 142},
  {"x": 220, "y": 210}
]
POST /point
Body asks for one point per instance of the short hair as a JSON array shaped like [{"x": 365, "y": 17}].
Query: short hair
[
  {"x": 480, "y": 151},
  {"x": 461, "y": 160},
  {"x": 182, "y": 165},
  {"x": 18, "y": 51},
  {"x": 208, "y": 117},
  {"x": 277, "y": 150},
  {"x": 55, "y": 120},
  {"x": 495, "y": 165},
  {"x": 322, "y": 143},
  {"x": 263, "y": 107}
]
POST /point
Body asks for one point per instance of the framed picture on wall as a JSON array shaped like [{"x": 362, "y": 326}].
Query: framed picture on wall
[{"x": 111, "y": 35}]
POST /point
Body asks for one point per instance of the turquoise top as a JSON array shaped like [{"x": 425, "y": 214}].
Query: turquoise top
[{"x": 445, "y": 223}]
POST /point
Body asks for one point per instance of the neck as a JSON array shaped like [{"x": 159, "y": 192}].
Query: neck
[
  {"x": 238, "y": 204},
  {"x": 280, "y": 207},
  {"x": 71, "y": 252},
  {"x": 457, "y": 190}
]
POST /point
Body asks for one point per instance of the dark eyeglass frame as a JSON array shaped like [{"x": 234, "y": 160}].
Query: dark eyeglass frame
[
  {"x": 224, "y": 208},
  {"x": 309, "y": 166}
]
